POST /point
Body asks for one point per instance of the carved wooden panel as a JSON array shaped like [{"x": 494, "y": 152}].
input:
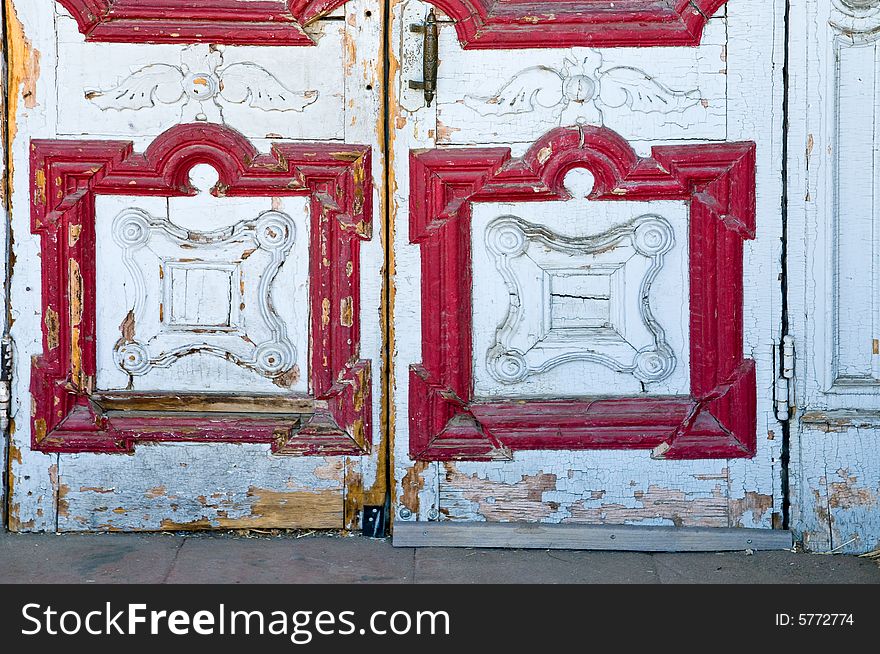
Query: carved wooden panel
[
  {"x": 73, "y": 414},
  {"x": 259, "y": 91},
  {"x": 717, "y": 418},
  {"x": 575, "y": 302},
  {"x": 239, "y": 22},
  {"x": 207, "y": 300},
  {"x": 854, "y": 344},
  {"x": 601, "y": 23}
]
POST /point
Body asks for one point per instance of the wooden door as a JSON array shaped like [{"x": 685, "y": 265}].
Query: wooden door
[
  {"x": 586, "y": 273},
  {"x": 833, "y": 237},
  {"x": 197, "y": 243}
]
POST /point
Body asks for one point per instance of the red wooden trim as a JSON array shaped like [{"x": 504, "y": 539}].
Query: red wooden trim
[
  {"x": 518, "y": 24},
  {"x": 718, "y": 419},
  {"x": 231, "y": 22},
  {"x": 66, "y": 176}
]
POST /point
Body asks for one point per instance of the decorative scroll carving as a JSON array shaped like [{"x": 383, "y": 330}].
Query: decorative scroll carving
[
  {"x": 66, "y": 175},
  {"x": 153, "y": 244},
  {"x": 568, "y": 298},
  {"x": 717, "y": 419},
  {"x": 577, "y": 93},
  {"x": 201, "y": 84},
  {"x": 231, "y": 22}
]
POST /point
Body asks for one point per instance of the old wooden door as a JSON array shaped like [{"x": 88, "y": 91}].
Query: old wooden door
[
  {"x": 833, "y": 236},
  {"x": 586, "y": 264},
  {"x": 196, "y": 289}
]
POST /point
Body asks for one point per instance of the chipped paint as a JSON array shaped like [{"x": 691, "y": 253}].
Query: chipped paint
[
  {"x": 325, "y": 312},
  {"x": 23, "y": 72},
  {"x": 346, "y": 311},
  {"x": 73, "y": 235},
  {"x": 848, "y": 493},
  {"x": 520, "y": 501},
  {"x": 412, "y": 483},
  {"x": 658, "y": 505},
  {"x": 76, "y": 313},
  {"x": 52, "y": 328},
  {"x": 749, "y": 510}
]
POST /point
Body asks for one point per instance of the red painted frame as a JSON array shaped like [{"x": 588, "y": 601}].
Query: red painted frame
[
  {"x": 231, "y": 22},
  {"x": 519, "y": 24},
  {"x": 65, "y": 178},
  {"x": 718, "y": 419}
]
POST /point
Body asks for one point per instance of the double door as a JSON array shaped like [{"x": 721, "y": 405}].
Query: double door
[{"x": 274, "y": 263}]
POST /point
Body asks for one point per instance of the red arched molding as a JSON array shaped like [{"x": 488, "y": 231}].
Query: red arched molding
[
  {"x": 566, "y": 23},
  {"x": 231, "y": 22},
  {"x": 65, "y": 178},
  {"x": 717, "y": 420}
]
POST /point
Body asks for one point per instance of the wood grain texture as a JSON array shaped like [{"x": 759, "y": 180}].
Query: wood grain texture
[
  {"x": 66, "y": 175},
  {"x": 716, "y": 421},
  {"x": 588, "y": 537}
]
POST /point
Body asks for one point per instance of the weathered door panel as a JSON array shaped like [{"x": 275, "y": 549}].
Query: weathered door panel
[
  {"x": 587, "y": 253},
  {"x": 834, "y": 285},
  {"x": 198, "y": 253}
]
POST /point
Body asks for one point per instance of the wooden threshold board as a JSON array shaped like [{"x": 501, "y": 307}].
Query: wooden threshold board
[{"x": 587, "y": 537}]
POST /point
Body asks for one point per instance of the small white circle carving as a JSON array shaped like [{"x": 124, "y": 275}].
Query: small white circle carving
[
  {"x": 510, "y": 367},
  {"x": 274, "y": 358},
  {"x": 508, "y": 239},
  {"x": 653, "y": 366},
  {"x": 131, "y": 229},
  {"x": 275, "y": 230},
  {"x": 133, "y": 358},
  {"x": 653, "y": 237}
]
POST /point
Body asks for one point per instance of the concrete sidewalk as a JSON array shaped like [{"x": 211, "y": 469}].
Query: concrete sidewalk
[{"x": 219, "y": 558}]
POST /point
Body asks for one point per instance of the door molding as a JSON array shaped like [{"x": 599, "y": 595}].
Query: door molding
[
  {"x": 228, "y": 22},
  {"x": 70, "y": 416},
  {"x": 517, "y": 24},
  {"x": 718, "y": 419}
]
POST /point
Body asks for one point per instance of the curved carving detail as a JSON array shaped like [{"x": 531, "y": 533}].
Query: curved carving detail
[
  {"x": 66, "y": 175},
  {"x": 559, "y": 315},
  {"x": 202, "y": 85},
  {"x": 579, "y": 91},
  {"x": 273, "y": 232},
  {"x": 232, "y": 22},
  {"x": 717, "y": 419},
  {"x": 515, "y": 24},
  {"x": 856, "y": 18}
]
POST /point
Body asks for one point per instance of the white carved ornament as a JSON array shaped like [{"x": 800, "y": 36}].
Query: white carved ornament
[
  {"x": 856, "y": 18},
  {"x": 205, "y": 304},
  {"x": 579, "y": 91},
  {"x": 201, "y": 84},
  {"x": 580, "y": 299}
]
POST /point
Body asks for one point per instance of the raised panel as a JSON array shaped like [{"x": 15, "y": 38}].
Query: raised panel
[
  {"x": 208, "y": 300},
  {"x": 855, "y": 238},
  {"x": 201, "y": 164},
  {"x": 580, "y": 298},
  {"x": 714, "y": 420}
]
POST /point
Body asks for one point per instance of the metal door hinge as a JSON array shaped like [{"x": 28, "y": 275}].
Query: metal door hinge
[
  {"x": 430, "y": 57},
  {"x": 784, "y": 386},
  {"x": 5, "y": 383}
]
